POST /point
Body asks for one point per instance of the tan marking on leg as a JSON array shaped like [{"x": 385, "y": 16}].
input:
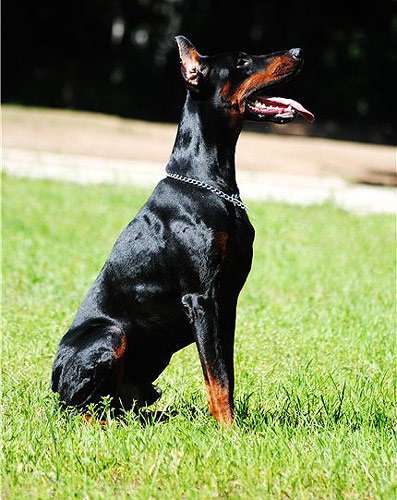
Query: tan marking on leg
[
  {"x": 90, "y": 420},
  {"x": 120, "y": 349},
  {"x": 219, "y": 402}
]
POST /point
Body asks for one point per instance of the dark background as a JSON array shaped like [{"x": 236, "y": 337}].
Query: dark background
[{"x": 119, "y": 56}]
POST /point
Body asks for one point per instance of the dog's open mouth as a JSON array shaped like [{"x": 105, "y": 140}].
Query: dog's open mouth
[{"x": 277, "y": 109}]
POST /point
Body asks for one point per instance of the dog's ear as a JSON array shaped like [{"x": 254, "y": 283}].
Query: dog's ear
[{"x": 192, "y": 65}]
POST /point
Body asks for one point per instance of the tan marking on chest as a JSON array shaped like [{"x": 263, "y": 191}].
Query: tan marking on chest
[{"x": 222, "y": 239}]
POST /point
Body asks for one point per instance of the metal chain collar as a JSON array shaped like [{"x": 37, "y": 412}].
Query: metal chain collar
[{"x": 234, "y": 198}]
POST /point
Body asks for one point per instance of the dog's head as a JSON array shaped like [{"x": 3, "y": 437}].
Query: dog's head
[{"x": 240, "y": 84}]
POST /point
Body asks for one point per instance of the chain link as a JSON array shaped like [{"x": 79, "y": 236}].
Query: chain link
[{"x": 234, "y": 198}]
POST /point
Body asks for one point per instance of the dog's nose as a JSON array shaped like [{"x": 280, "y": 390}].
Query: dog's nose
[{"x": 296, "y": 53}]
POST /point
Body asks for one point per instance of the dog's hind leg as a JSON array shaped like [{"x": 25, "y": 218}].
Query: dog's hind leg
[{"x": 89, "y": 364}]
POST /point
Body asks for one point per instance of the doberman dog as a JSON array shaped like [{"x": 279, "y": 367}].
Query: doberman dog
[{"x": 175, "y": 273}]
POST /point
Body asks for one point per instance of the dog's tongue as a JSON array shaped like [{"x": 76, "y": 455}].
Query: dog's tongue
[{"x": 284, "y": 103}]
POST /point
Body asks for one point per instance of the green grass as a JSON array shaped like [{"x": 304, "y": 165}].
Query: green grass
[{"x": 315, "y": 361}]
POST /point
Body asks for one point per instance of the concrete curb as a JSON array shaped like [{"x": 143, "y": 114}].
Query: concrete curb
[{"x": 260, "y": 186}]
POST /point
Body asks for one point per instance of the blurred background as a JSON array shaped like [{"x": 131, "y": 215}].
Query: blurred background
[{"x": 119, "y": 56}]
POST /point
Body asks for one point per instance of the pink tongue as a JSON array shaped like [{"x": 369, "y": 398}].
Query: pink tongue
[{"x": 289, "y": 102}]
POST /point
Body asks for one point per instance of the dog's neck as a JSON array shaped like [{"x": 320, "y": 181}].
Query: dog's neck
[{"x": 205, "y": 145}]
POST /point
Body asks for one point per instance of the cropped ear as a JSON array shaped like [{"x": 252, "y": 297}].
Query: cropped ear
[{"x": 191, "y": 61}]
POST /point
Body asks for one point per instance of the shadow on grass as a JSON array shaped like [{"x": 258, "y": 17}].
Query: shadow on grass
[
  {"x": 103, "y": 414},
  {"x": 292, "y": 411}
]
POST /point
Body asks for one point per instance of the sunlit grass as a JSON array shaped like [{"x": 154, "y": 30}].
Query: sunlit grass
[{"x": 315, "y": 361}]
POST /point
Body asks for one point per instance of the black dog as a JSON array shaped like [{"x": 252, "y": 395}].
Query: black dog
[{"x": 175, "y": 273}]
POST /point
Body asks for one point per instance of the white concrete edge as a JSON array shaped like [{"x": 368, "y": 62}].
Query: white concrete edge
[{"x": 258, "y": 186}]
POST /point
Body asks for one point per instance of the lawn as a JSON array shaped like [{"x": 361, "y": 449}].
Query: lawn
[{"x": 315, "y": 361}]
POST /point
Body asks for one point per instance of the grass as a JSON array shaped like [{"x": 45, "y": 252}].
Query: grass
[{"x": 315, "y": 361}]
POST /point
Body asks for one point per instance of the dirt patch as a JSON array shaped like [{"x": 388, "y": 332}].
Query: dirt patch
[{"x": 105, "y": 136}]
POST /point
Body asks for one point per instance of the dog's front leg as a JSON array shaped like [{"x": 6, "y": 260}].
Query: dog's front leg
[{"x": 214, "y": 339}]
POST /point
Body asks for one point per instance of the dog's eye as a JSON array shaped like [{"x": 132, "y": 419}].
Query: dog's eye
[
  {"x": 203, "y": 69},
  {"x": 243, "y": 61}
]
